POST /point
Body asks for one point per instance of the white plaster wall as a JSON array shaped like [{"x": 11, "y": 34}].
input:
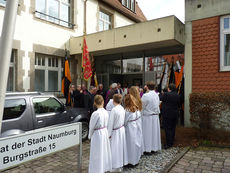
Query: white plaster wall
[
  {"x": 92, "y": 13},
  {"x": 120, "y": 20},
  {"x": 30, "y": 31}
]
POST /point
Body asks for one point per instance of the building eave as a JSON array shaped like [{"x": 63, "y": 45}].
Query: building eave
[{"x": 151, "y": 37}]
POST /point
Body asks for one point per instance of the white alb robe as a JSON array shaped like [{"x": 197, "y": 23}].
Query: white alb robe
[
  {"x": 139, "y": 123},
  {"x": 110, "y": 106},
  {"x": 100, "y": 152},
  {"x": 134, "y": 137},
  {"x": 116, "y": 131},
  {"x": 150, "y": 121}
]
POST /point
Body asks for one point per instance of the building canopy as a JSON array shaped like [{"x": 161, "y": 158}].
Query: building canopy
[{"x": 156, "y": 37}]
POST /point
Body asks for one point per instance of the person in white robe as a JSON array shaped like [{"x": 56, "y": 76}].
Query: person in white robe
[
  {"x": 100, "y": 152},
  {"x": 134, "y": 91},
  {"x": 116, "y": 132},
  {"x": 150, "y": 119},
  {"x": 133, "y": 131},
  {"x": 110, "y": 106}
]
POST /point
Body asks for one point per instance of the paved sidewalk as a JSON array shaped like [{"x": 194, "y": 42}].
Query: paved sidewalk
[
  {"x": 60, "y": 162},
  {"x": 200, "y": 160},
  {"x": 204, "y": 160}
]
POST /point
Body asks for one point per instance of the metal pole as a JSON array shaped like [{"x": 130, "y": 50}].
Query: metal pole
[
  {"x": 80, "y": 149},
  {"x": 6, "y": 42}
]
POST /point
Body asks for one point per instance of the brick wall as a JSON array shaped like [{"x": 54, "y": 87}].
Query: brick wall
[{"x": 205, "y": 57}]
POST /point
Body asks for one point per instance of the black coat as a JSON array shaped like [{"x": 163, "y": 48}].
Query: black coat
[
  {"x": 170, "y": 105},
  {"x": 88, "y": 101},
  {"x": 102, "y": 93},
  {"x": 78, "y": 99}
]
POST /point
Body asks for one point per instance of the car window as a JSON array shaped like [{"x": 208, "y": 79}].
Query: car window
[
  {"x": 46, "y": 105},
  {"x": 13, "y": 108}
]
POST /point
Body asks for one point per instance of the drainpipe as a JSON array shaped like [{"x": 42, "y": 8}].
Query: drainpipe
[
  {"x": 84, "y": 29},
  {"x": 6, "y": 42},
  {"x": 84, "y": 34}
]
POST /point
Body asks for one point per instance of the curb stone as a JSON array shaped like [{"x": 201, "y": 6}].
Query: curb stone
[{"x": 169, "y": 166}]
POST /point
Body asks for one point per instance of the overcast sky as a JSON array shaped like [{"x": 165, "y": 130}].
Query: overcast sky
[{"x": 153, "y": 9}]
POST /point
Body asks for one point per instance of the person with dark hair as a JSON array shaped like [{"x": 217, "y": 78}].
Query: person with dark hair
[
  {"x": 133, "y": 132},
  {"x": 150, "y": 119},
  {"x": 88, "y": 98},
  {"x": 109, "y": 106},
  {"x": 78, "y": 97},
  {"x": 119, "y": 90},
  {"x": 72, "y": 93},
  {"x": 100, "y": 159},
  {"x": 170, "y": 113},
  {"x": 116, "y": 132}
]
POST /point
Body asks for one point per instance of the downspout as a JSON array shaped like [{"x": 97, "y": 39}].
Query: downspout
[{"x": 84, "y": 34}]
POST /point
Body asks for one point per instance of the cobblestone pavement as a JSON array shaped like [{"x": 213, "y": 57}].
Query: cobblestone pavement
[
  {"x": 204, "y": 160},
  {"x": 66, "y": 162},
  {"x": 154, "y": 162},
  {"x": 60, "y": 162}
]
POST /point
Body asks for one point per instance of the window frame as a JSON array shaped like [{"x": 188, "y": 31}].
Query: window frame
[
  {"x": 9, "y": 119},
  {"x": 48, "y": 68},
  {"x": 12, "y": 64},
  {"x": 105, "y": 21},
  {"x": 56, "y": 20},
  {"x": 222, "y": 33},
  {"x": 128, "y": 4},
  {"x": 45, "y": 113}
]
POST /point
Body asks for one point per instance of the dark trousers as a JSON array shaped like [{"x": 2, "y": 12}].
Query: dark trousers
[{"x": 170, "y": 128}]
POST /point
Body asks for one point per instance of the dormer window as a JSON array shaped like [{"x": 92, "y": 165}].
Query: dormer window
[{"x": 130, "y": 4}]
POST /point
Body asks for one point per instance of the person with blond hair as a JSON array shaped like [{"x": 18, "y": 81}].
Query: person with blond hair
[
  {"x": 150, "y": 119},
  {"x": 133, "y": 130},
  {"x": 100, "y": 152},
  {"x": 116, "y": 132},
  {"x": 136, "y": 94}
]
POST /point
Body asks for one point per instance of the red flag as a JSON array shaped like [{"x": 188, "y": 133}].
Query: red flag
[
  {"x": 86, "y": 65},
  {"x": 151, "y": 64}
]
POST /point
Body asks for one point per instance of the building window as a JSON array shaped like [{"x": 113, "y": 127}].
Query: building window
[
  {"x": 11, "y": 75},
  {"x": 48, "y": 71},
  {"x": 225, "y": 44},
  {"x": 132, "y": 65},
  {"x": 130, "y": 4},
  {"x": 105, "y": 21},
  {"x": 3, "y": 3},
  {"x": 55, "y": 11}
]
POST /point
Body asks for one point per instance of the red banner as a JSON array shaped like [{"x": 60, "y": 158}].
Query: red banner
[{"x": 86, "y": 65}]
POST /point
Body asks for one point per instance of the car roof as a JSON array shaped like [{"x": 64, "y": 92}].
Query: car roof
[{"x": 9, "y": 94}]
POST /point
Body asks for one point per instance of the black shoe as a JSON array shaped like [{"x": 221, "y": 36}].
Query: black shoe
[
  {"x": 147, "y": 153},
  {"x": 167, "y": 147}
]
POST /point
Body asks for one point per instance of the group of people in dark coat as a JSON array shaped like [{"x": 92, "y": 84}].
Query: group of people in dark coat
[{"x": 81, "y": 97}]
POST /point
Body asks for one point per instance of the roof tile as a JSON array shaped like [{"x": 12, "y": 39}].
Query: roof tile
[{"x": 137, "y": 16}]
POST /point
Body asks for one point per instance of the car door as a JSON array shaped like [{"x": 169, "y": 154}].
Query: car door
[{"x": 48, "y": 111}]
